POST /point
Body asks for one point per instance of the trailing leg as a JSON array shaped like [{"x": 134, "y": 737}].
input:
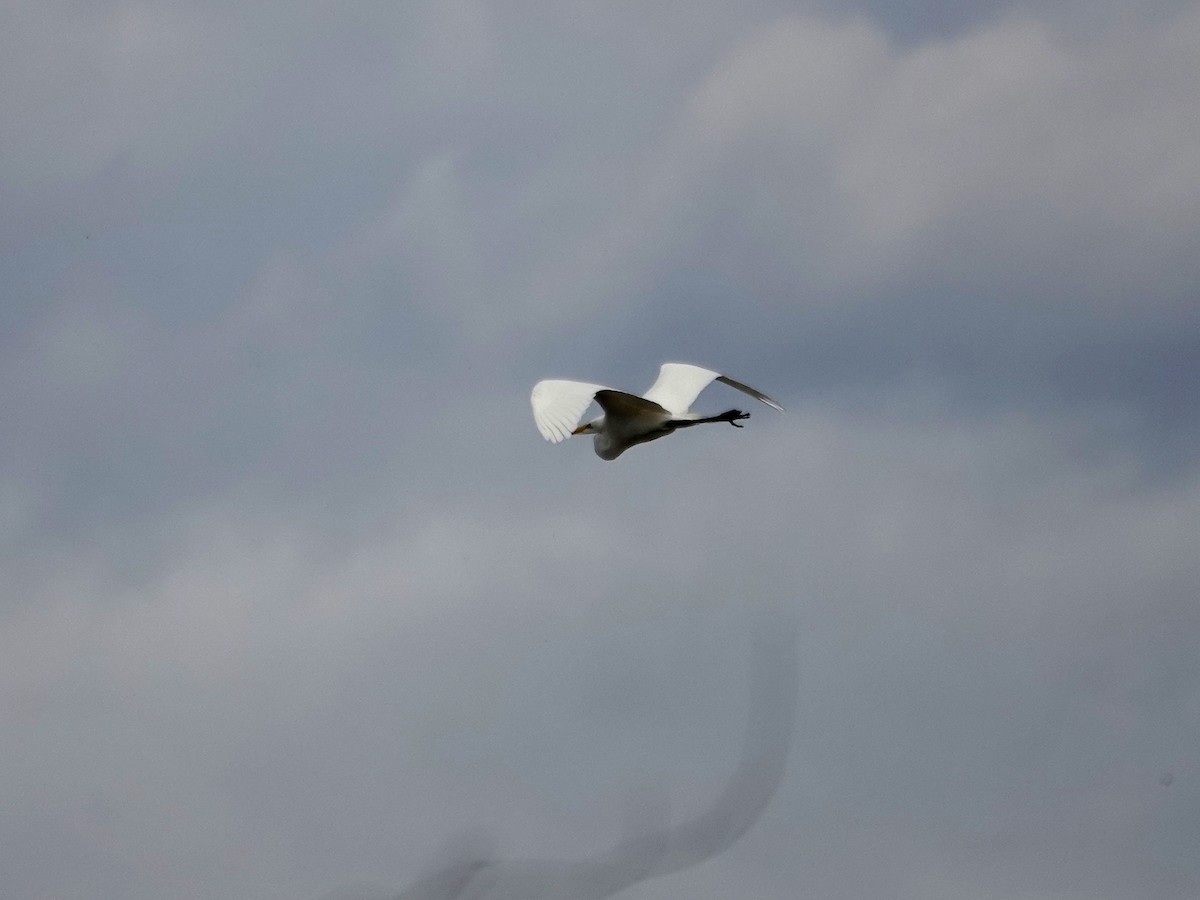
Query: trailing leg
[{"x": 730, "y": 415}]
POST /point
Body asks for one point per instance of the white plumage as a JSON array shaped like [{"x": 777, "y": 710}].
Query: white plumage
[{"x": 558, "y": 407}]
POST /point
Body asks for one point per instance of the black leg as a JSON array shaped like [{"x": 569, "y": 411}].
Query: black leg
[{"x": 730, "y": 415}]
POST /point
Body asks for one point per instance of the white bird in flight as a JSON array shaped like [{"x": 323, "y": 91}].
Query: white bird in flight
[{"x": 558, "y": 407}]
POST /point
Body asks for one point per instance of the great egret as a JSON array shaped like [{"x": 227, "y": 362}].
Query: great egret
[{"x": 628, "y": 419}]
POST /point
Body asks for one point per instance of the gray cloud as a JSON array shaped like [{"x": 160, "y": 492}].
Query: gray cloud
[
  {"x": 652, "y": 852},
  {"x": 295, "y": 592}
]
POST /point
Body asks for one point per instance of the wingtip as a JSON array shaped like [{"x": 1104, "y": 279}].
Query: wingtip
[{"x": 753, "y": 392}]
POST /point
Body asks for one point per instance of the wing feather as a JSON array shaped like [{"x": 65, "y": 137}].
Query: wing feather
[
  {"x": 677, "y": 385},
  {"x": 559, "y": 405},
  {"x": 746, "y": 389}
]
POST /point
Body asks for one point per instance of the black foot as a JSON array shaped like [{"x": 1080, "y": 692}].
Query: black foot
[{"x": 733, "y": 415}]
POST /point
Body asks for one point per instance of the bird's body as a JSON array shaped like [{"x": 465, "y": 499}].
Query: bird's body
[{"x": 558, "y": 407}]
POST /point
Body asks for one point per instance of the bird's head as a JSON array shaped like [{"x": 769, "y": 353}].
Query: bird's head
[{"x": 592, "y": 427}]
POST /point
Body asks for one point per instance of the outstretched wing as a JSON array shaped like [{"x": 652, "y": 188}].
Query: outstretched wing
[
  {"x": 559, "y": 405},
  {"x": 679, "y": 384}
]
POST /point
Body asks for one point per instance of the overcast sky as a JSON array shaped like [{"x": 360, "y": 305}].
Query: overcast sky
[{"x": 294, "y": 596}]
